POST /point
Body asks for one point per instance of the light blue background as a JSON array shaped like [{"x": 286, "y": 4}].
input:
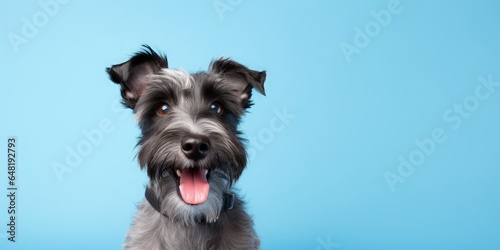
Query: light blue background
[{"x": 319, "y": 182}]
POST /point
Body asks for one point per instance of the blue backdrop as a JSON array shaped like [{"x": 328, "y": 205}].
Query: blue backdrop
[{"x": 379, "y": 129}]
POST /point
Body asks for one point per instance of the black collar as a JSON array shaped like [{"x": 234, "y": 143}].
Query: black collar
[{"x": 228, "y": 201}]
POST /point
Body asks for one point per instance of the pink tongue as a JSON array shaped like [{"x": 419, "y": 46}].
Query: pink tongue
[{"x": 194, "y": 186}]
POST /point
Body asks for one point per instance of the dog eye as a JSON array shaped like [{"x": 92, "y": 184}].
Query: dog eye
[
  {"x": 216, "y": 107},
  {"x": 163, "y": 110}
]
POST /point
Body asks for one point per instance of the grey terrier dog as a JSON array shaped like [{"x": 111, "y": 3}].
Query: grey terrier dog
[{"x": 193, "y": 152}]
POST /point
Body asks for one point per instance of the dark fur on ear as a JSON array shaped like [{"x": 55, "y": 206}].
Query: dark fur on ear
[
  {"x": 132, "y": 75},
  {"x": 240, "y": 77}
]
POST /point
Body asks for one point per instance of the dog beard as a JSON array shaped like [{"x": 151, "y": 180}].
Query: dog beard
[{"x": 174, "y": 207}]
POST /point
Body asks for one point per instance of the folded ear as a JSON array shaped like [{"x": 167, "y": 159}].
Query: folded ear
[
  {"x": 133, "y": 74},
  {"x": 241, "y": 78}
]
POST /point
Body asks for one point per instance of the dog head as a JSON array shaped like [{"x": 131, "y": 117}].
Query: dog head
[{"x": 190, "y": 143}]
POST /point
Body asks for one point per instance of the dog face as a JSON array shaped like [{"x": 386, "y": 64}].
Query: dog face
[{"x": 190, "y": 143}]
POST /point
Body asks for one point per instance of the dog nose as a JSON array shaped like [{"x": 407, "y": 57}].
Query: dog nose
[{"x": 195, "y": 147}]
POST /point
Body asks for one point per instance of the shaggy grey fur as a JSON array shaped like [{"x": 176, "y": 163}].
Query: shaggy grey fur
[{"x": 170, "y": 106}]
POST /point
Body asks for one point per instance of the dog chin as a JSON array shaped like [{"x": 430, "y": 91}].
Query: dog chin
[{"x": 175, "y": 208}]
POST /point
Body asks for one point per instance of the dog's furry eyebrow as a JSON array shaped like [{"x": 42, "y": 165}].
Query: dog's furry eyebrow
[
  {"x": 163, "y": 88},
  {"x": 159, "y": 91},
  {"x": 216, "y": 91}
]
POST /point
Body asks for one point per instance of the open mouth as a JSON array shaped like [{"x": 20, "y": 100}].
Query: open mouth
[{"x": 193, "y": 184}]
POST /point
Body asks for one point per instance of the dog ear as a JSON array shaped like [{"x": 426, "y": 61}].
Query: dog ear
[
  {"x": 132, "y": 75},
  {"x": 241, "y": 78}
]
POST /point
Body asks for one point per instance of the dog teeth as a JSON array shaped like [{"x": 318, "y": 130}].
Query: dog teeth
[{"x": 206, "y": 172}]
